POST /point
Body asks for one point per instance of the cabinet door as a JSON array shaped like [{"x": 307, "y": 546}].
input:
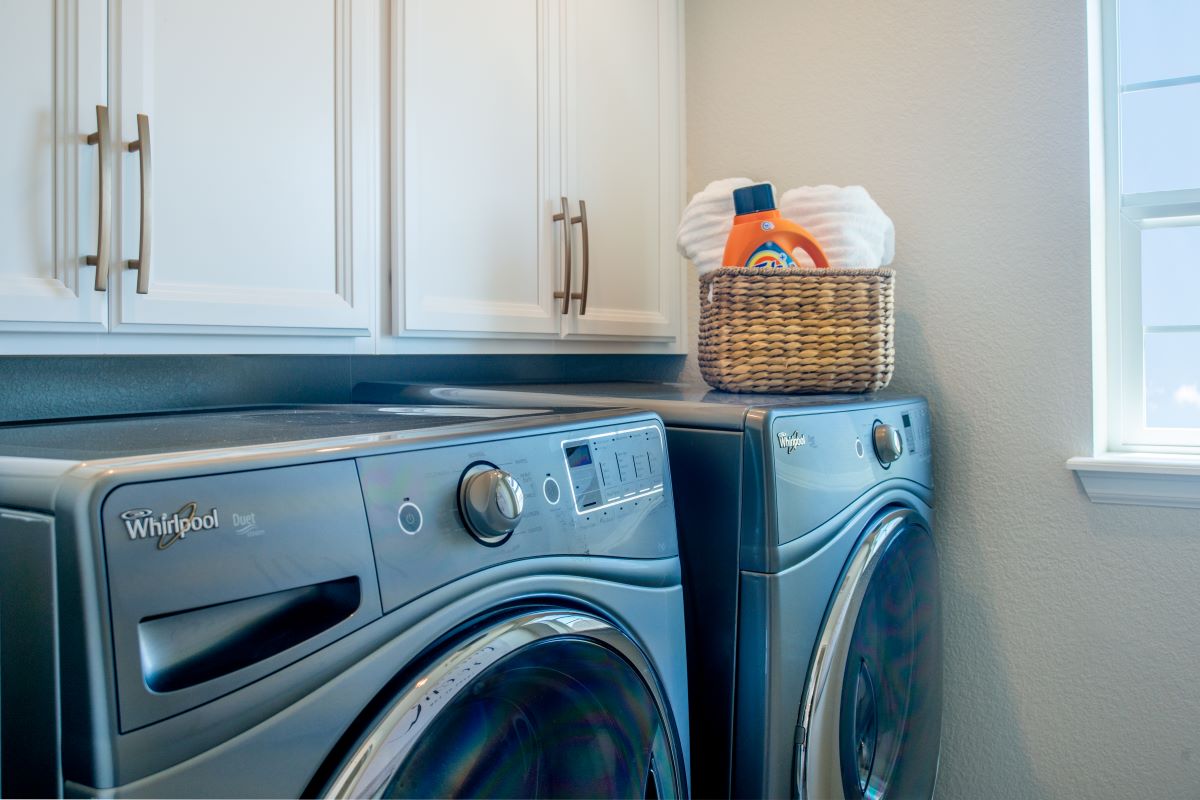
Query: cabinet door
[
  {"x": 52, "y": 76},
  {"x": 477, "y": 183},
  {"x": 623, "y": 160},
  {"x": 261, "y": 193}
]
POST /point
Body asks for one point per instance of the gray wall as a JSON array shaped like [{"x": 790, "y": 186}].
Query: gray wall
[{"x": 1072, "y": 635}]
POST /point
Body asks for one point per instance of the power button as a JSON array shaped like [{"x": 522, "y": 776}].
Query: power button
[{"x": 409, "y": 517}]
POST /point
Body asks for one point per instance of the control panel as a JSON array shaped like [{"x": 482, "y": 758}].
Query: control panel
[
  {"x": 823, "y": 461},
  {"x": 439, "y": 513},
  {"x": 615, "y": 467}
]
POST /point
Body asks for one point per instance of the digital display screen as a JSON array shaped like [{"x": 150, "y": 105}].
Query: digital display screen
[{"x": 578, "y": 455}]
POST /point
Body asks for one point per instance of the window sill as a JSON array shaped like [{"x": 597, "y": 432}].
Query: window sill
[{"x": 1140, "y": 479}]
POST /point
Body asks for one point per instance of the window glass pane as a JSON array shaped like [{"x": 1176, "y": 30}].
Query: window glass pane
[
  {"x": 1171, "y": 276},
  {"x": 1160, "y": 139},
  {"x": 1173, "y": 380},
  {"x": 1158, "y": 39}
]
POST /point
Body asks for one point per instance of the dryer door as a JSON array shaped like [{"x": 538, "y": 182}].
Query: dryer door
[
  {"x": 870, "y": 725},
  {"x": 546, "y": 704}
]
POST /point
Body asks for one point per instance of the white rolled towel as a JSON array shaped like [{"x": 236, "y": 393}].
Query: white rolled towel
[
  {"x": 706, "y": 223},
  {"x": 848, "y": 224}
]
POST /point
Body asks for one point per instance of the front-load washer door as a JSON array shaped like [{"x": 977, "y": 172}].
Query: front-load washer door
[
  {"x": 870, "y": 724},
  {"x": 545, "y": 704}
]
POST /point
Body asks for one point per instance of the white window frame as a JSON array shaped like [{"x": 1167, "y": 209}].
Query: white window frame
[{"x": 1130, "y": 463}]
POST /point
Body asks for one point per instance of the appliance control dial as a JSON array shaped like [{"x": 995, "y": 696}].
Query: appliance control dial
[
  {"x": 491, "y": 501},
  {"x": 888, "y": 444}
]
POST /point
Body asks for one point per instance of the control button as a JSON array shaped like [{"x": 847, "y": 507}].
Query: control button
[
  {"x": 888, "y": 444},
  {"x": 551, "y": 491},
  {"x": 491, "y": 502},
  {"x": 409, "y": 517}
]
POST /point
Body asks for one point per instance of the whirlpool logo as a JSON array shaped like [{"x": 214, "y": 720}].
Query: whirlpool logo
[
  {"x": 794, "y": 440},
  {"x": 141, "y": 523}
]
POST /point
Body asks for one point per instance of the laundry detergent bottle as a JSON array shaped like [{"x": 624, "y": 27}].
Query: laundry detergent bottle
[{"x": 761, "y": 237}]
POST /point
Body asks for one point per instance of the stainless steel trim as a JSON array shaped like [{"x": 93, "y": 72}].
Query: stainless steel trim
[
  {"x": 142, "y": 262},
  {"x": 565, "y": 295},
  {"x": 816, "y": 775},
  {"x": 368, "y": 770},
  {"x": 582, "y": 220},
  {"x": 104, "y": 214}
]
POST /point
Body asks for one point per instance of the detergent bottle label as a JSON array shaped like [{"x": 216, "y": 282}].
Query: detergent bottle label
[{"x": 769, "y": 254}]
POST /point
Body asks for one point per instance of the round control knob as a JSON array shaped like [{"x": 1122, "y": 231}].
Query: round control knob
[
  {"x": 888, "y": 444},
  {"x": 491, "y": 502}
]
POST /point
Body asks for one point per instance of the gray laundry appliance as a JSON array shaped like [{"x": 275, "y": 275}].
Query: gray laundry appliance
[
  {"x": 810, "y": 578},
  {"x": 341, "y": 601}
]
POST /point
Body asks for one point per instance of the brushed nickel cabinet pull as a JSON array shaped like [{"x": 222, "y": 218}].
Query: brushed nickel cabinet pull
[
  {"x": 103, "y": 140},
  {"x": 142, "y": 262},
  {"x": 565, "y": 294},
  {"x": 582, "y": 220}
]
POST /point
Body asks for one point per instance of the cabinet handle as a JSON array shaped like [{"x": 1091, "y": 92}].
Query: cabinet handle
[
  {"x": 103, "y": 140},
  {"x": 142, "y": 262},
  {"x": 565, "y": 295},
  {"x": 582, "y": 296}
]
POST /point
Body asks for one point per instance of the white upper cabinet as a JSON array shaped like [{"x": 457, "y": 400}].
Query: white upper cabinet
[
  {"x": 473, "y": 114},
  {"x": 623, "y": 164},
  {"x": 52, "y": 73},
  {"x": 317, "y": 175},
  {"x": 538, "y": 152},
  {"x": 254, "y": 204}
]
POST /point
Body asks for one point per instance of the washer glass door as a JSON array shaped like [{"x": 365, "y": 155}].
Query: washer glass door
[
  {"x": 547, "y": 704},
  {"x": 871, "y": 720}
]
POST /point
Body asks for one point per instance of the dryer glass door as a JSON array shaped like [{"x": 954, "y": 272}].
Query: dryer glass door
[
  {"x": 547, "y": 704},
  {"x": 870, "y": 725}
]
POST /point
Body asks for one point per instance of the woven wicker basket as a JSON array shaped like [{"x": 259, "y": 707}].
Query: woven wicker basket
[{"x": 797, "y": 330}]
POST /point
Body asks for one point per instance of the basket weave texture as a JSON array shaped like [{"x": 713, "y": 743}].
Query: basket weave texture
[{"x": 797, "y": 330}]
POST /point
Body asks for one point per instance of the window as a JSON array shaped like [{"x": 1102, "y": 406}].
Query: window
[
  {"x": 1151, "y": 106},
  {"x": 1145, "y": 100}
]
